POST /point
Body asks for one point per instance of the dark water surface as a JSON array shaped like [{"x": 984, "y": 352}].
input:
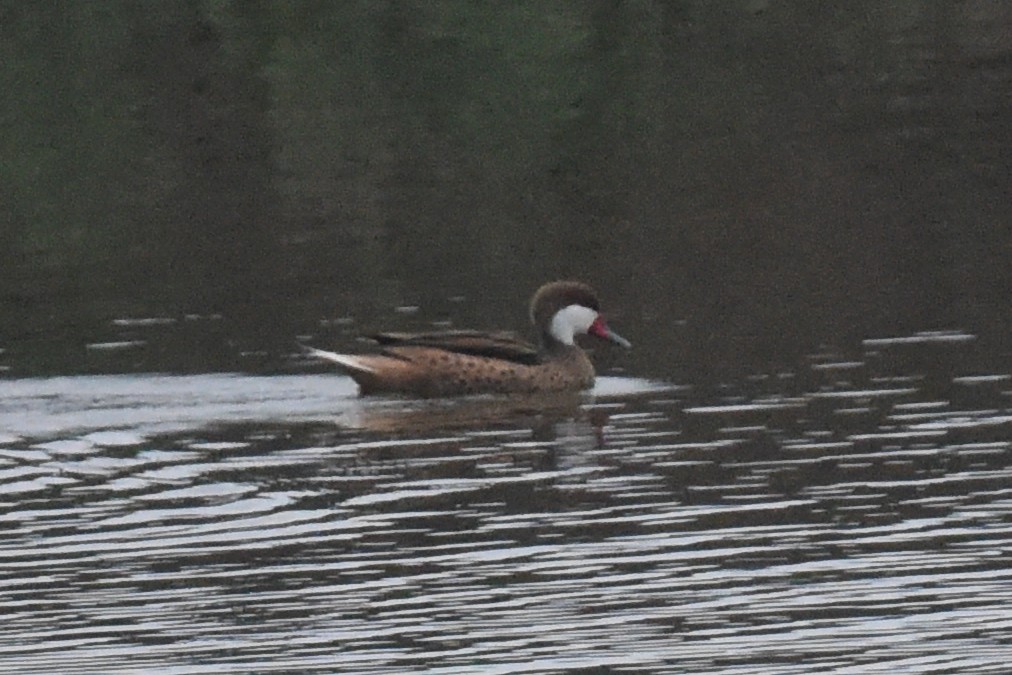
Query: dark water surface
[
  {"x": 743, "y": 181},
  {"x": 852, "y": 515},
  {"x": 797, "y": 211}
]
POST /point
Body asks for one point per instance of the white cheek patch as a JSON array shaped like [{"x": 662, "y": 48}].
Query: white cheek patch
[{"x": 570, "y": 321}]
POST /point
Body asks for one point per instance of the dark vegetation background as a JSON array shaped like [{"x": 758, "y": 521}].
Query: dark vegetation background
[{"x": 742, "y": 180}]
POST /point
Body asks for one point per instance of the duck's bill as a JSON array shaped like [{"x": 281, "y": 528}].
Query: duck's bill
[
  {"x": 617, "y": 339},
  {"x": 600, "y": 329}
]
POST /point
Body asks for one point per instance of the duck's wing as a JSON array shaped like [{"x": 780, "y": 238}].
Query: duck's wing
[{"x": 502, "y": 345}]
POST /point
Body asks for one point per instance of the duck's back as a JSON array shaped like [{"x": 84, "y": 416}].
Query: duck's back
[{"x": 434, "y": 371}]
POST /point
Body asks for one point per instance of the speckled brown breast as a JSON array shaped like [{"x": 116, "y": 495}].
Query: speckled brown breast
[{"x": 425, "y": 371}]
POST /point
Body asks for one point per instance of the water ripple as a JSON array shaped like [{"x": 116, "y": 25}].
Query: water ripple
[{"x": 232, "y": 524}]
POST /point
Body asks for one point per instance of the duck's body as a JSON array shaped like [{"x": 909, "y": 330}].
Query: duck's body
[{"x": 459, "y": 363}]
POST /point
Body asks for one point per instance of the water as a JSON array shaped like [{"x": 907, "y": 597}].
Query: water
[
  {"x": 797, "y": 212},
  {"x": 851, "y": 515}
]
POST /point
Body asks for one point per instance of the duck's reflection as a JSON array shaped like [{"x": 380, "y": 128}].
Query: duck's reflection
[{"x": 566, "y": 420}]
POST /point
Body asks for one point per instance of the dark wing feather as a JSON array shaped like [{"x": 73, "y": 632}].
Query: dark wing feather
[{"x": 503, "y": 345}]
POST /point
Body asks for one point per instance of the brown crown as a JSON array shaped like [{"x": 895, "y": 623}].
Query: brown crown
[{"x": 553, "y": 296}]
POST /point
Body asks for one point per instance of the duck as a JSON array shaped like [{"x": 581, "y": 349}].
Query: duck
[{"x": 468, "y": 362}]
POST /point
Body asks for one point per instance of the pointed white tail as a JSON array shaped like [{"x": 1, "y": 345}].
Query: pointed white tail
[{"x": 347, "y": 360}]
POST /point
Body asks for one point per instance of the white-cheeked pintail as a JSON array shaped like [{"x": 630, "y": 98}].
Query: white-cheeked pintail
[{"x": 463, "y": 362}]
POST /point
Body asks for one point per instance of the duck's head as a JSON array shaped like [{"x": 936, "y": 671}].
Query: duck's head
[{"x": 561, "y": 310}]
